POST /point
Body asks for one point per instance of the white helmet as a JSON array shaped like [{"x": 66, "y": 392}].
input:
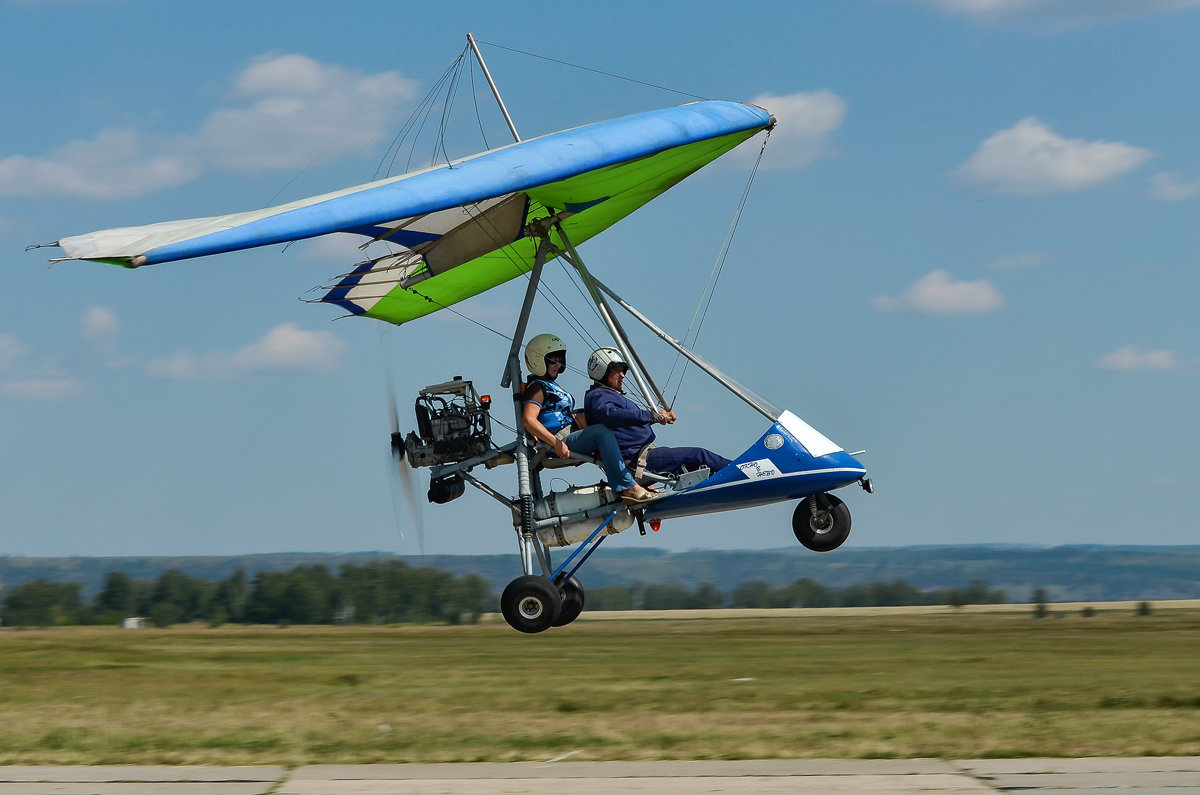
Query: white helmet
[
  {"x": 537, "y": 349},
  {"x": 601, "y": 360}
]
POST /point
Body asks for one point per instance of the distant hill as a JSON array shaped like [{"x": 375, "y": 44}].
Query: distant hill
[{"x": 1067, "y": 573}]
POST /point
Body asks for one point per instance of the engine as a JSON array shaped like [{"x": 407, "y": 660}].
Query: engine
[{"x": 453, "y": 424}]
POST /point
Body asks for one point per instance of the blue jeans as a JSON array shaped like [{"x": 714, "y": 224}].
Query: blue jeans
[{"x": 599, "y": 439}]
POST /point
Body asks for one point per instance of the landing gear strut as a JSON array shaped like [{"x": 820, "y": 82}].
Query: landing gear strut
[{"x": 821, "y": 522}]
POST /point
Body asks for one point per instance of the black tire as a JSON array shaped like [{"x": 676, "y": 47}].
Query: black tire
[
  {"x": 572, "y": 600},
  {"x": 827, "y": 528},
  {"x": 530, "y": 604}
]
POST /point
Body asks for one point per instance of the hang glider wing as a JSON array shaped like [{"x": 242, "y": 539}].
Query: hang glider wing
[{"x": 458, "y": 230}]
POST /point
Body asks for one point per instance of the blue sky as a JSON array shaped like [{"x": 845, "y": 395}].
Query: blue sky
[{"x": 971, "y": 250}]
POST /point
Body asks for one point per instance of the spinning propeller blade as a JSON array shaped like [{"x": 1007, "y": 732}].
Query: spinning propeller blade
[{"x": 402, "y": 477}]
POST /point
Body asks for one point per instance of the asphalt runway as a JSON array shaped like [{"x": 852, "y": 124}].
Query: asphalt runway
[{"x": 1111, "y": 776}]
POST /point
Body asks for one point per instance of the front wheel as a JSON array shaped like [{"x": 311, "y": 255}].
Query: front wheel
[
  {"x": 821, "y": 522},
  {"x": 530, "y": 604}
]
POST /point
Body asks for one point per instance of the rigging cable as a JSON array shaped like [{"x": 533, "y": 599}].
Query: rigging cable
[
  {"x": 594, "y": 71},
  {"x": 710, "y": 287},
  {"x": 475, "y": 100},
  {"x": 417, "y": 120}
]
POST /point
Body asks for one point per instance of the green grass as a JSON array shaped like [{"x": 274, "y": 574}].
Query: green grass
[{"x": 956, "y": 685}]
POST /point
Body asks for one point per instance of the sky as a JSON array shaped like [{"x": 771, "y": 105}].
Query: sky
[{"x": 971, "y": 250}]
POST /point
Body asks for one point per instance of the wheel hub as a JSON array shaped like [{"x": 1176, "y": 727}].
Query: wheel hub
[
  {"x": 821, "y": 522},
  {"x": 530, "y": 607}
]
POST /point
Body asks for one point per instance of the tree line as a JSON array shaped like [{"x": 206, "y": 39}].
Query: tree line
[
  {"x": 374, "y": 593},
  {"x": 390, "y": 592},
  {"x": 802, "y": 593}
]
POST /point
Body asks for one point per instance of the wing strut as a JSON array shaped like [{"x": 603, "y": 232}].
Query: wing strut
[{"x": 654, "y": 396}]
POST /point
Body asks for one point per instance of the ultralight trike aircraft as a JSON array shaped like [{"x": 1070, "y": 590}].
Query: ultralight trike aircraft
[{"x": 457, "y": 230}]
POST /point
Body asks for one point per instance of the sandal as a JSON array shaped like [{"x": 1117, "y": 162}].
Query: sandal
[{"x": 637, "y": 495}]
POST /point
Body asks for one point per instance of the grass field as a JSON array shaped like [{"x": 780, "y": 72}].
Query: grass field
[{"x": 947, "y": 684}]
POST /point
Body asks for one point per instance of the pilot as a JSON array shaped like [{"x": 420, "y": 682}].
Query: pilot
[
  {"x": 605, "y": 404},
  {"x": 548, "y": 414}
]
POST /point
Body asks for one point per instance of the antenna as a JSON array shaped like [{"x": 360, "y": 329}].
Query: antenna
[{"x": 495, "y": 91}]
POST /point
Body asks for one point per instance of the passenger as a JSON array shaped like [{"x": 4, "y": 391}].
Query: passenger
[
  {"x": 605, "y": 404},
  {"x": 549, "y": 416}
]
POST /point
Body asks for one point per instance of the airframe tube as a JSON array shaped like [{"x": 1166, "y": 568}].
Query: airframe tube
[
  {"x": 512, "y": 370},
  {"x": 512, "y": 377}
]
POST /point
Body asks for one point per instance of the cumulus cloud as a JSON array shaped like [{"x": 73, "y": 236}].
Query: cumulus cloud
[
  {"x": 287, "y": 111},
  {"x": 1131, "y": 358},
  {"x": 289, "y": 347},
  {"x": 179, "y": 366},
  {"x": 285, "y": 348},
  {"x": 115, "y": 164},
  {"x": 62, "y": 375},
  {"x": 804, "y": 123},
  {"x": 1031, "y": 159},
  {"x": 98, "y": 321},
  {"x": 297, "y": 110},
  {"x": 1054, "y": 14},
  {"x": 937, "y": 293},
  {"x": 1169, "y": 187}
]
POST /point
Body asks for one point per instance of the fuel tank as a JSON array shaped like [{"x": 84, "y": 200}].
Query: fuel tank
[{"x": 577, "y": 512}]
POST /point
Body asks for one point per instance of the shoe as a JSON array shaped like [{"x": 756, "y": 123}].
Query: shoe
[{"x": 637, "y": 495}]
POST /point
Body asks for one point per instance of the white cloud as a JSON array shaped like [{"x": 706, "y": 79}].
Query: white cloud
[
  {"x": 804, "y": 123},
  {"x": 179, "y": 366},
  {"x": 1055, "y": 14},
  {"x": 1012, "y": 262},
  {"x": 299, "y": 110},
  {"x": 98, "y": 321},
  {"x": 291, "y": 110},
  {"x": 288, "y": 347},
  {"x": 43, "y": 388},
  {"x": 1168, "y": 186},
  {"x": 937, "y": 293},
  {"x": 115, "y": 164},
  {"x": 1031, "y": 159},
  {"x": 341, "y": 249},
  {"x": 285, "y": 348},
  {"x": 10, "y": 350},
  {"x": 1131, "y": 357}
]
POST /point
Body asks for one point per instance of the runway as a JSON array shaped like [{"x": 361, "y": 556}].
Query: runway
[{"x": 1138, "y": 776}]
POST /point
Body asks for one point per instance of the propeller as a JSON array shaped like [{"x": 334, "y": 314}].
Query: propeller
[{"x": 402, "y": 480}]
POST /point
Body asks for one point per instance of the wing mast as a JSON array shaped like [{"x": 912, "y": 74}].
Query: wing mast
[{"x": 495, "y": 91}]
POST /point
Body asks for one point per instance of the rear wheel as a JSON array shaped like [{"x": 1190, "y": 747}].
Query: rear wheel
[
  {"x": 572, "y": 600},
  {"x": 530, "y": 604},
  {"x": 821, "y": 522}
]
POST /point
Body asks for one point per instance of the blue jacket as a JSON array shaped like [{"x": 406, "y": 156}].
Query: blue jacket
[{"x": 631, "y": 425}]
